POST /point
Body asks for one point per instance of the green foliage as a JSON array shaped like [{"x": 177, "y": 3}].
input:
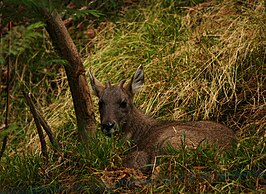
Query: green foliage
[
  {"x": 30, "y": 56},
  {"x": 19, "y": 40},
  {"x": 27, "y": 10},
  {"x": 13, "y": 10},
  {"x": 30, "y": 171},
  {"x": 20, "y": 170}
]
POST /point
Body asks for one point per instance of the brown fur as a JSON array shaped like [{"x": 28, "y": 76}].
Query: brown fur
[{"x": 151, "y": 136}]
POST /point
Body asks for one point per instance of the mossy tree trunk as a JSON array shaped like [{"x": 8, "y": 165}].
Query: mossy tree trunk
[{"x": 75, "y": 74}]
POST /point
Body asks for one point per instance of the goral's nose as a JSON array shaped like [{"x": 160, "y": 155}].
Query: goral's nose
[{"x": 107, "y": 127}]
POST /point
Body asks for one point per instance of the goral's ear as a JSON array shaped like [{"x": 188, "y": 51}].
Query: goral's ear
[
  {"x": 136, "y": 82},
  {"x": 96, "y": 85}
]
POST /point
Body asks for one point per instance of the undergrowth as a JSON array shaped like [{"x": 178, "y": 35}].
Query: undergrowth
[{"x": 201, "y": 61}]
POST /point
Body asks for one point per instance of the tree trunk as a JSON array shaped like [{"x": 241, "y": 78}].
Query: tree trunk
[{"x": 75, "y": 74}]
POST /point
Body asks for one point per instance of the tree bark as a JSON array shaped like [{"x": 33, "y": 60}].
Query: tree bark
[{"x": 75, "y": 74}]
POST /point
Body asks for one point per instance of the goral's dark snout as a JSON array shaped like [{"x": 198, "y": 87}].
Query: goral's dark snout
[{"x": 108, "y": 128}]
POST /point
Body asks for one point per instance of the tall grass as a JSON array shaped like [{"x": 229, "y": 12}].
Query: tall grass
[{"x": 201, "y": 61}]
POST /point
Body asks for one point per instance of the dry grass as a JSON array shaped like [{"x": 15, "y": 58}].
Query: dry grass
[{"x": 196, "y": 74}]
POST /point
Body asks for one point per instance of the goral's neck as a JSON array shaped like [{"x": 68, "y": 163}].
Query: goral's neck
[{"x": 139, "y": 125}]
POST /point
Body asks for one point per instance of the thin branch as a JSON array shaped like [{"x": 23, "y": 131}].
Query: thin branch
[
  {"x": 38, "y": 125},
  {"x": 46, "y": 127},
  {"x": 3, "y": 145},
  {"x": 7, "y": 99}
]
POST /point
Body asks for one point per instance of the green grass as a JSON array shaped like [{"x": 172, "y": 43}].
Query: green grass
[{"x": 205, "y": 62}]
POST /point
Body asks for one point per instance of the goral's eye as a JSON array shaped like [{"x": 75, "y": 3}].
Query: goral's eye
[
  {"x": 123, "y": 104},
  {"x": 100, "y": 103}
]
